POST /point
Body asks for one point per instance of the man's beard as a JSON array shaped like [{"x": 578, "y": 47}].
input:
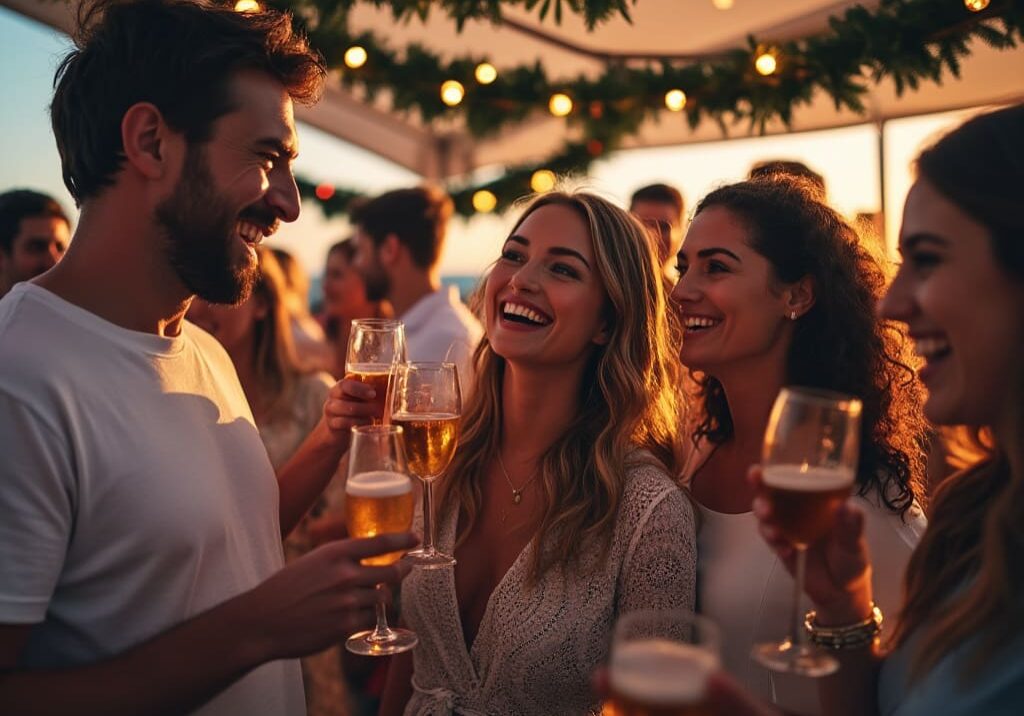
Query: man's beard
[
  {"x": 199, "y": 226},
  {"x": 378, "y": 285}
]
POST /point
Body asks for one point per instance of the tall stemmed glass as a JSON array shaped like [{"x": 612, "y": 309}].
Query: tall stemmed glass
[
  {"x": 426, "y": 401},
  {"x": 375, "y": 347},
  {"x": 809, "y": 465},
  {"x": 379, "y": 500}
]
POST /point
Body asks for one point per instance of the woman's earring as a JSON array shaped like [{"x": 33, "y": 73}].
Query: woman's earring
[{"x": 792, "y": 316}]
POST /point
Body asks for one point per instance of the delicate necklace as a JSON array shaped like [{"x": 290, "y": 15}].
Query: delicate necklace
[{"x": 517, "y": 493}]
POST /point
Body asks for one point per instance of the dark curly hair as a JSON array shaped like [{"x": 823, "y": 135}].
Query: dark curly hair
[{"x": 838, "y": 344}]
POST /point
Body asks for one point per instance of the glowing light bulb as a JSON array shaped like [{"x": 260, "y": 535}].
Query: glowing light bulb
[
  {"x": 485, "y": 73},
  {"x": 722, "y": 4},
  {"x": 355, "y": 57},
  {"x": 247, "y": 6},
  {"x": 766, "y": 64},
  {"x": 452, "y": 92},
  {"x": 675, "y": 100},
  {"x": 560, "y": 104},
  {"x": 484, "y": 201},
  {"x": 976, "y": 5},
  {"x": 542, "y": 180}
]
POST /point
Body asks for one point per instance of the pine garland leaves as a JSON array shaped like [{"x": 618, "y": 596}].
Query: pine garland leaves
[{"x": 908, "y": 41}]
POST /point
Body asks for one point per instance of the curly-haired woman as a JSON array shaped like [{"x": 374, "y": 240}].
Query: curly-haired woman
[{"x": 776, "y": 289}]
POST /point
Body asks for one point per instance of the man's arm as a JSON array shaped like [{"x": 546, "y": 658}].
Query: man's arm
[{"x": 310, "y": 604}]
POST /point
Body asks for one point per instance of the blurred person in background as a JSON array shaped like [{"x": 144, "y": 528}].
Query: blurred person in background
[
  {"x": 660, "y": 208},
  {"x": 34, "y": 232},
  {"x": 399, "y": 237},
  {"x": 287, "y": 402},
  {"x": 311, "y": 350},
  {"x": 344, "y": 299}
]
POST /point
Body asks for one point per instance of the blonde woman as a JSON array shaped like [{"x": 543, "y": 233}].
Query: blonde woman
[{"x": 559, "y": 505}]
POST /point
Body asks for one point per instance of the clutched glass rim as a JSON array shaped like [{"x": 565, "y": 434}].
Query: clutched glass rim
[
  {"x": 823, "y": 396},
  {"x": 377, "y": 430}
]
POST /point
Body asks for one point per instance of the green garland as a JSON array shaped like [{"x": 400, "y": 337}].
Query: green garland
[{"x": 909, "y": 41}]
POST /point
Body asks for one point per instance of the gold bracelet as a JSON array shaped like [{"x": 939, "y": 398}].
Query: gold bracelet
[{"x": 850, "y": 636}]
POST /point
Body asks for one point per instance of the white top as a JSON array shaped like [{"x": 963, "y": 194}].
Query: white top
[
  {"x": 747, "y": 591},
  {"x": 538, "y": 646},
  {"x": 134, "y": 489},
  {"x": 439, "y": 327}
]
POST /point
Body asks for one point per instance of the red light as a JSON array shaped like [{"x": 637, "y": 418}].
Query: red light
[{"x": 324, "y": 192}]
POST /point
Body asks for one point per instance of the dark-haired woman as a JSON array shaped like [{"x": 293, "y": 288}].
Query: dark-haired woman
[
  {"x": 958, "y": 640},
  {"x": 776, "y": 289}
]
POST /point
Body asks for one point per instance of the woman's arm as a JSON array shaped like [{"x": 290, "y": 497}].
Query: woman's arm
[
  {"x": 838, "y": 581},
  {"x": 398, "y": 687}
]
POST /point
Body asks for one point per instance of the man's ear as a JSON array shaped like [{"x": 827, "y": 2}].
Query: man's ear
[
  {"x": 800, "y": 297},
  {"x": 389, "y": 250},
  {"x": 148, "y": 142}
]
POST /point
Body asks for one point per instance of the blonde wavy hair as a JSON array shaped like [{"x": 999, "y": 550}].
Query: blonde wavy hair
[{"x": 629, "y": 399}]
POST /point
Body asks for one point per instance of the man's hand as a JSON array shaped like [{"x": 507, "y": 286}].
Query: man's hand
[
  {"x": 324, "y": 596},
  {"x": 350, "y": 403}
]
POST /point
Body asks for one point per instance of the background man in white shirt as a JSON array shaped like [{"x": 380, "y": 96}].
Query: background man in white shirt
[
  {"x": 399, "y": 239},
  {"x": 141, "y": 568}
]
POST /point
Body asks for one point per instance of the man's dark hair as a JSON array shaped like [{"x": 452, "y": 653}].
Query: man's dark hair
[
  {"x": 788, "y": 167},
  {"x": 180, "y": 55},
  {"x": 19, "y": 204},
  {"x": 660, "y": 193},
  {"x": 418, "y": 217}
]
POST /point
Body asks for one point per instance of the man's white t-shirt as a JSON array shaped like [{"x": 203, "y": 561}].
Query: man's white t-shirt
[
  {"x": 439, "y": 327},
  {"x": 135, "y": 492}
]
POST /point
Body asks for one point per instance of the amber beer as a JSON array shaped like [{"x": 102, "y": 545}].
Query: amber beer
[
  {"x": 659, "y": 677},
  {"x": 805, "y": 499},
  {"x": 430, "y": 441},
  {"x": 375, "y": 375},
  {"x": 377, "y": 503}
]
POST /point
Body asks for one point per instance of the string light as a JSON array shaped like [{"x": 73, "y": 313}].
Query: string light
[
  {"x": 485, "y": 73},
  {"x": 324, "y": 191},
  {"x": 560, "y": 104},
  {"x": 976, "y": 5},
  {"x": 247, "y": 6},
  {"x": 675, "y": 100},
  {"x": 542, "y": 180},
  {"x": 355, "y": 57},
  {"x": 452, "y": 92},
  {"x": 484, "y": 201},
  {"x": 722, "y": 4},
  {"x": 766, "y": 64}
]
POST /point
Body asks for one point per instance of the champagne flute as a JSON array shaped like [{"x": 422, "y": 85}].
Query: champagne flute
[
  {"x": 660, "y": 663},
  {"x": 809, "y": 466},
  {"x": 375, "y": 346},
  {"x": 379, "y": 500},
  {"x": 427, "y": 403}
]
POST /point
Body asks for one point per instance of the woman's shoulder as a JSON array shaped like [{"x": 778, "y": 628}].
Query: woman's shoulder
[
  {"x": 650, "y": 490},
  {"x": 883, "y": 525}
]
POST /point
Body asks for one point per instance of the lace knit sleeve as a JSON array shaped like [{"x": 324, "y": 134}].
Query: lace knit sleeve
[{"x": 660, "y": 565}]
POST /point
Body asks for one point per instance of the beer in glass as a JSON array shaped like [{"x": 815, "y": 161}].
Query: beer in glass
[
  {"x": 426, "y": 402},
  {"x": 660, "y": 664},
  {"x": 375, "y": 347},
  {"x": 809, "y": 464},
  {"x": 378, "y": 500},
  {"x": 377, "y": 503}
]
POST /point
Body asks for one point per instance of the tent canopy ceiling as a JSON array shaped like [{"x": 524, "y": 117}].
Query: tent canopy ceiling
[{"x": 660, "y": 27}]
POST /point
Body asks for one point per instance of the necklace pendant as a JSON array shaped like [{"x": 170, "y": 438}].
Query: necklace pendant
[{"x": 517, "y": 497}]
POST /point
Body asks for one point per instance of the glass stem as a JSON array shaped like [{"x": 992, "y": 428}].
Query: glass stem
[
  {"x": 797, "y": 633},
  {"x": 428, "y": 516},
  {"x": 382, "y": 631}
]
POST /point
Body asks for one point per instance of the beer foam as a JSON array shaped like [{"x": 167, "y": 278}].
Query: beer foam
[
  {"x": 660, "y": 671},
  {"x": 423, "y": 417},
  {"x": 378, "y": 483},
  {"x": 807, "y": 479}
]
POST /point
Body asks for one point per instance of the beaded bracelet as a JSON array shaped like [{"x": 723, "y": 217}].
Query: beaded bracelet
[{"x": 850, "y": 636}]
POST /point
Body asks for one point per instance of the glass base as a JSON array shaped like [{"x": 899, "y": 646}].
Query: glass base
[
  {"x": 394, "y": 641},
  {"x": 428, "y": 559},
  {"x": 785, "y": 656}
]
